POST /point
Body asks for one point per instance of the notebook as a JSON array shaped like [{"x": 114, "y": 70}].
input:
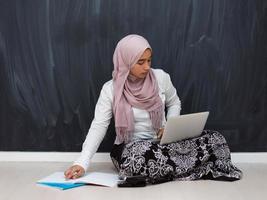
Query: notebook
[
  {"x": 58, "y": 180},
  {"x": 184, "y": 127}
]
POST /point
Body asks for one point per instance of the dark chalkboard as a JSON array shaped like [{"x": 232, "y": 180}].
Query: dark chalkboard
[{"x": 55, "y": 55}]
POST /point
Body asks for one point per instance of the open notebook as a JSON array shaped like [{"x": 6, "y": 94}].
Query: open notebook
[{"x": 57, "y": 180}]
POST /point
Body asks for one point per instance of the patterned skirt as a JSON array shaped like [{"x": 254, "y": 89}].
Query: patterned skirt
[{"x": 203, "y": 157}]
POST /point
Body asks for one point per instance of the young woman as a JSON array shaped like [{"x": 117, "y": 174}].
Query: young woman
[{"x": 137, "y": 97}]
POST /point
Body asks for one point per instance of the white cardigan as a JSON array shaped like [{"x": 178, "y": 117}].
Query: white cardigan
[{"x": 143, "y": 128}]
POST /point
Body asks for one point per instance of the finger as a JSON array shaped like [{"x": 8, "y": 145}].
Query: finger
[
  {"x": 80, "y": 172},
  {"x": 71, "y": 172},
  {"x": 75, "y": 175},
  {"x": 67, "y": 172},
  {"x": 69, "y": 175},
  {"x": 160, "y": 133}
]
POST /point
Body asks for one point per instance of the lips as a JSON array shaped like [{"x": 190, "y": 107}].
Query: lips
[{"x": 144, "y": 74}]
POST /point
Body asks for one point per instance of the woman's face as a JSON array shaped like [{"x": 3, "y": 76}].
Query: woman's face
[{"x": 142, "y": 67}]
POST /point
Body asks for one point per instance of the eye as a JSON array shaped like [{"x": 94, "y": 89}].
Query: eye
[{"x": 140, "y": 63}]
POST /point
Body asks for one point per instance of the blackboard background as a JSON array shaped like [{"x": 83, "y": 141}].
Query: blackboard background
[{"x": 55, "y": 55}]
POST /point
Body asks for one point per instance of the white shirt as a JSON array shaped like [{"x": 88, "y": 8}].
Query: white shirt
[{"x": 142, "y": 123}]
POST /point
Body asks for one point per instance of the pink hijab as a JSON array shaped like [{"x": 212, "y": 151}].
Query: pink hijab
[{"x": 133, "y": 92}]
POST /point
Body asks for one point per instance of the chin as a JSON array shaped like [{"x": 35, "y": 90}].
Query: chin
[{"x": 142, "y": 77}]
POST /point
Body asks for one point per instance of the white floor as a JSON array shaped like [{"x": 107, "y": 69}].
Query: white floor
[{"x": 17, "y": 181}]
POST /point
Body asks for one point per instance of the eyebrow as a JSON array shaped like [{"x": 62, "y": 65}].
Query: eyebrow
[{"x": 144, "y": 59}]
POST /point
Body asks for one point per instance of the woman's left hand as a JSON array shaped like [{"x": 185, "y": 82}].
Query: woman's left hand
[{"x": 160, "y": 133}]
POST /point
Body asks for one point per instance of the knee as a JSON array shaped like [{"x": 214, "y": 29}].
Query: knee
[{"x": 216, "y": 137}]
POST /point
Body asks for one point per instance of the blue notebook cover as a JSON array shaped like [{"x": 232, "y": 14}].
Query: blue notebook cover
[{"x": 63, "y": 186}]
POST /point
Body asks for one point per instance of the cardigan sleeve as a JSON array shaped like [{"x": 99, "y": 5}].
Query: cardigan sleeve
[
  {"x": 172, "y": 103},
  {"x": 98, "y": 128}
]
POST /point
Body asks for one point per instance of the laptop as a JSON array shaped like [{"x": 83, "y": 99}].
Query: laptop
[{"x": 184, "y": 127}]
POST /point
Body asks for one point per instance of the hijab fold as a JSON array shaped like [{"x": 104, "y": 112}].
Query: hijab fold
[{"x": 130, "y": 91}]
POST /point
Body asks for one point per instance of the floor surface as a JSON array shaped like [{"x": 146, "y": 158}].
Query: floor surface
[{"x": 18, "y": 182}]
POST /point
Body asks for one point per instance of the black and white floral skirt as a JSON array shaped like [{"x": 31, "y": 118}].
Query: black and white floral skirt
[{"x": 203, "y": 157}]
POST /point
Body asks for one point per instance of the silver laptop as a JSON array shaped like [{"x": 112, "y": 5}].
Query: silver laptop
[{"x": 184, "y": 127}]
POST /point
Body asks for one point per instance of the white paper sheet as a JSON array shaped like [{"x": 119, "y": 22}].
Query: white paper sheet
[{"x": 96, "y": 178}]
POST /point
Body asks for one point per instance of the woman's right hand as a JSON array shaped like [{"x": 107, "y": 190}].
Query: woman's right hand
[
  {"x": 160, "y": 133},
  {"x": 75, "y": 171}
]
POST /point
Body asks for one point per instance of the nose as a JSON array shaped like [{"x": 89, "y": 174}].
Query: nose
[{"x": 147, "y": 66}]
